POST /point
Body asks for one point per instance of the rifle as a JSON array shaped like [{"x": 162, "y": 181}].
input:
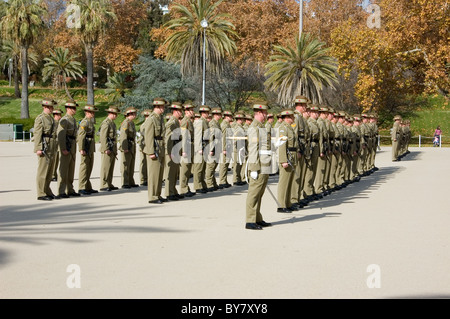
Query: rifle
[{"x": 110, "y": 143}]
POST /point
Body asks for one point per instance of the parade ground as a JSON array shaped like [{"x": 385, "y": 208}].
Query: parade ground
[{"x": 386, "y": 236}]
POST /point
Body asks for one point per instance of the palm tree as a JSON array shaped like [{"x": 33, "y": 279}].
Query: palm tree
[
  {"x": 11, "y": 52},
  {"x": 96, "y": 16},
  {"x": 61, "y": 65},
  {"x": 22, "y": 23},
  {"x": 117, "y": 86},
  {"x": 303, "y": 70},
  {"x": 185, "y": 45}
]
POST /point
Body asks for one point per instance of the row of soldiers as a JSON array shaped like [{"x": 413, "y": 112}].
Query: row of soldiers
[
  {"x": 400, "y": 136},
  {"x": 315, "y": 150}
]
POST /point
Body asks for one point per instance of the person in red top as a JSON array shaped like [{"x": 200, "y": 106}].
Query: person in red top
[{"x": 437, "y": 136}]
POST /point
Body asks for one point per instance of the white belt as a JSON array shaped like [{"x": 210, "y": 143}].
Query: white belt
[{"x": 265, "y": 152}]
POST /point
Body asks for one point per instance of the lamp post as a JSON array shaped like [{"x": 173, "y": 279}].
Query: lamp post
[
  {"x": 300, "y": 24},
  {"x": 204, "y": 24}
]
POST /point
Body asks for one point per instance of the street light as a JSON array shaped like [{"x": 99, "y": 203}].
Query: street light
[
  {"x": 204, "y": 25},
  {"x": 300, "y": 23}
]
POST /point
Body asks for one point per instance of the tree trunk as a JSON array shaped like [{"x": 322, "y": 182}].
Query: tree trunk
[
  {"x": 90, "y": 73},
  {"x": 24, "y": 110},
  {"x": 16, "y": 78},
  {"x": 67, "y": 89}
]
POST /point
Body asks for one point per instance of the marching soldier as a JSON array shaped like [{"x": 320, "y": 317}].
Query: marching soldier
[
  {"x": 214, "y": 150},
  {"x": 356, "y": 165},
  {"x": 66, "y": 138},
  {"x": 247, "y": 122},
  {"x": 187, "y": 159},
  {"x": 86, "y": 147},
  {"x": 154, "y": 149},
  {"x": 395, "y": 137},
  {"x": 366, "y": 143},
  {"x": 259, "y": 166},
  {"x": 373, "y": 122},
  {"x": 227, "y": 149},
  {"x": 57, "y": 114},
  {"x": 200, "y": 143},
  {"x": 287, "y": 158},
  {"x": 239, "y": 148},
  {"x": 335, "y": 145},
  {"x": 141, "y": 143},
  {"x": 45, "y": 148},
  {"x": 172, "y": 138},
  {"x": 108, "y": 149},
  {"x": 127, "y": 145}
]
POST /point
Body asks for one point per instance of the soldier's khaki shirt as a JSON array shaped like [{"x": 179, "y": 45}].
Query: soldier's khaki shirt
[
  {"x": 154, "y": 135},
  {"x": 127, "y": 137},
  {"x": 67, "y": 128},
  {"x": 86, "y": 132},
  {"x": 259, "y": 153},
  {"x": 44, "y": 125},
  {"x": 108, "y": 129},
  {"x": 287, "y": 152}
]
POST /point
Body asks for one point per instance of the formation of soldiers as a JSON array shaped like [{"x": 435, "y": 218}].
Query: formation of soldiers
[
  {"x": 313, "y": 149},
  {"x": 400, "y": 136}
]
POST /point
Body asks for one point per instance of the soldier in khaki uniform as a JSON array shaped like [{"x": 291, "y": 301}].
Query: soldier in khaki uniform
[
  {"x": 315, "y": 147},
  {"x": 356, "y": 164},
  {"x": 334, "y": 149},
  {"x": 200, "y": 142},
  {"x": 215, "y": 149},
  {"x": 57, "y": 115},
  {"x": 319, "y": 184},
  {"x": 227, "y": 149},
  {"x": 374, "y": 126},
  {"x": 239, "y": 148},
  {"x": 86, "y": 147},
  {"x": 155, "y": 150},
  {"x": 366, "y": 143},
  {"x": 127, "y": 145},
  {"x": 259, "y": 167},
  {"x": 108, "y": 149},
  {"x": 287, "y": 158},
  {"x": 395, "y": 137},
  {"x": 66, "y": 139},
  {"x": 172, "y": 139},
  {"x": 141, "y": 143},
  {"x": 187, "y": 158},
  {"x": 45, "y": 148}
]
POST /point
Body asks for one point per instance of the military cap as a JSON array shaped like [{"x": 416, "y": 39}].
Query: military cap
[
  {"x": 262, "y": 105},
  {"x": 365, "y": 115},
  {"x": 168, "y": 116},
  {"x": 227, "y": 113},
  {"x": 301, "y": 99},
  {"x": 248, "y": 117},
  {"x": 188, "y": 105},
  {"x": 331, "y": 110},
  {"x": 314, "y": 108},
  {"x": 239, "y": 115},
  {"x": 269, "y": 115},
  {"x": 323, "y": 109},
  {"x": 176, "y": 106},
  {"x": 342, "y": 113},
  {"x": 71, "y": 103},
  {"x": 113, "y": 109},
  {"x": 286, "y": 112},
  {"x": 159, "y": 101},
  {"x": 397, "y": 117},
  {"x": 146, "y": 112},
  {"x": 57, "y": 111},
  {"x": 197, "y": 115},
  {"x": 48, "y": 102},
  {"x": 90, "y": 108},
  {"x": 216, "y": 110},
  {"x": 204, "y": 108},
  {"x": 350, "y": 119},
  {"x": 356, "y": 117}
]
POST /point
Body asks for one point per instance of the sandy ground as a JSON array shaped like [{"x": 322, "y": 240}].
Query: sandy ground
[{"x": 384, "y": 237}]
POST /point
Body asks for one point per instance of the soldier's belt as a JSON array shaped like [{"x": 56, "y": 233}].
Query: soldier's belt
[
  {"x": 47, "y": 135},
  {"x": 315, "y": 140},
  {"x": 265, "y": 152},
  {"x": 292, "y": 149},
  {"x": 90, "y": 136},
  {"x": 71, "y": 137},
  {"x": 158, "y": 138}
]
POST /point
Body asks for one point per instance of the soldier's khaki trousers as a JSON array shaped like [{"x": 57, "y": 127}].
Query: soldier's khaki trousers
[
  {"x": 67, "y": 171},
  {"x": 320, "y": 174},
  {"x": 55, "y": 163},
  {"x": 395, "y": 147},
  {"x": 155, "y": 173},
  {"x": 285, "y": 183},
  {"x": 173, "y": 170},
  {"x": 311, "y": 172},
  {"x": 255, "y": 193},
  {"x": 107, "y": 170},
  {"x": 332, "y": 180},
  {"x": 127, "y": 164},
  {"x": 143, "y": 168},
  {"x": 223, "y": 169},
  {"x": 199, "y": 167},
  {"x": 44, "y": 175},
  {"x": 237, "y": 168},
  {"x": 84, "y": 176},
  {"x": 210, "y": 172}
]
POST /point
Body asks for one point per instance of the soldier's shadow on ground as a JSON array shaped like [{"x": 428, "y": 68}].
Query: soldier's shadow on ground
[
  {"x": 412, "y": 156},
  {"x": 38, "y": 225}
]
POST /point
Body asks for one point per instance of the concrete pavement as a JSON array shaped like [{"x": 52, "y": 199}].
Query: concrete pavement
[{"x": 384, "y": 237}]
